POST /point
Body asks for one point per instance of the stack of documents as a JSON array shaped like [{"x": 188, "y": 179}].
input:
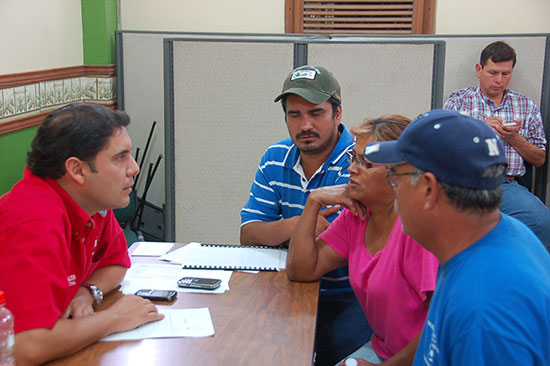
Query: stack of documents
[{"x": 229, "y": 257}]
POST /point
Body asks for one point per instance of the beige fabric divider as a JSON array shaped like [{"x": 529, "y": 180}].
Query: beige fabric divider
[
  {"x": 224, "y": 119},
  {"x": 463, "y": 53},
  {"x": 143, "y": 97},
  {"x": 379, "y": 78}
]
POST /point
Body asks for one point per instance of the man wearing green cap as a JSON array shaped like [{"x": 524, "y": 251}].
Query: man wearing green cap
[{"x": 314, "y": 156}]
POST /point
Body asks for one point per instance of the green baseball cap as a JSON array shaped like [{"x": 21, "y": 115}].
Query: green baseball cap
[{"x": 313, "y": 83}]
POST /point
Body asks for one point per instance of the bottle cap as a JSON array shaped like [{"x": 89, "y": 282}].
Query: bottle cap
[{"x": 351, "y": 362}]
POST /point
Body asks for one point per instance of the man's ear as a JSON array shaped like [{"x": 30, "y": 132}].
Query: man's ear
[
  {"x": 430, "y": 190},
  {"x": 339, "y": 113},
  {"x": 74, "y": 168},
  {"x": 478, "y": 70}
]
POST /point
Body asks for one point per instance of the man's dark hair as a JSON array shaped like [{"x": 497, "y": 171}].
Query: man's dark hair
[
  {"x": 335, "y": 104},
  {"x": 497, "y": 52},
  {"x": 80, "y": 130},
  {"x": 469, "y": 200}
]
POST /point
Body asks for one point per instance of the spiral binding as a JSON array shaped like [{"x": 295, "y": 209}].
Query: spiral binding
[
  {"x": 232, "y": 268},
  {"x": 243, "y": 246}
]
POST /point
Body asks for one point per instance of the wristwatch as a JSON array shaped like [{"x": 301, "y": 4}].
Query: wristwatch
[{"x": 96, "y": 293}]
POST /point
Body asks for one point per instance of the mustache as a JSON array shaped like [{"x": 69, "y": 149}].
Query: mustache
[{"x": 307, "y": 133}]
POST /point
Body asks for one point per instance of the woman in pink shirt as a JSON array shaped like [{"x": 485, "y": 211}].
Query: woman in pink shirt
[{"x": 392, "y": 276}]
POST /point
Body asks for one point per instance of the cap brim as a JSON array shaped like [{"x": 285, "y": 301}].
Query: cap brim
[
  {"x": 311, "y": 96},
  {"x": 383, "y": 153}
]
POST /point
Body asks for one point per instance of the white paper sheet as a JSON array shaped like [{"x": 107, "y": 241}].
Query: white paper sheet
[
  {"x": 176, "y": 323},
  {"x": 195, "y": 255},
  {"x": 151, "y": 249},
  {"x": 165, "y": 277},
  {"x": 178, "y": 255}
]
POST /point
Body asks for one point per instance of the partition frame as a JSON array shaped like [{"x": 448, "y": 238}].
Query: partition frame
[
  {"x": 540, "y": 186},
  {"x": 153, "y": 110},
  {"x": 119, "y": 48},
  {"x": 300, "y": 56},
  {"x": 541, "y": 178},
  {"x": 438, "y": 77},
  {"x": 170, "y": 174}
]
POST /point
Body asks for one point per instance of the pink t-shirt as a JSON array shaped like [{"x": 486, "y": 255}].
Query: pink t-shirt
[{"x": 391, "y": 286}]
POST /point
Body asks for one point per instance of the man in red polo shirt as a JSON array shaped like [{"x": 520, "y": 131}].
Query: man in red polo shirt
[{"x": 61, "y": 247}]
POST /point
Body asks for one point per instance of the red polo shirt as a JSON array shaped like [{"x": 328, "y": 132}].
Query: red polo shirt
[{"x": 48, "y": 247}]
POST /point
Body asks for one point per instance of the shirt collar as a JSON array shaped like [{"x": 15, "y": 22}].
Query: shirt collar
[
  {"x": 77, "y": 216},
  {"x": 487, "y": 100}
]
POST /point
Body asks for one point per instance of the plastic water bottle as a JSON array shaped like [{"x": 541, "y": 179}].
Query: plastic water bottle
[{"x": 6, "y": 334}]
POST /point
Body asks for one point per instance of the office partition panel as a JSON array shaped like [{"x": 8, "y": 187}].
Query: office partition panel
[
  {"x": 382, "y": 77},
  {"x": 221, "y": 114},
  {"x": 140, "y": 88},
  {"x": 531, "y": 74},
  {"x": 221, "y": 118},
  {"x": 379, "y": 74}
]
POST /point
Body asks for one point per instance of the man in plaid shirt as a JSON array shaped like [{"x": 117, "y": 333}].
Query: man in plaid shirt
[{"x": 518, "y": 122}]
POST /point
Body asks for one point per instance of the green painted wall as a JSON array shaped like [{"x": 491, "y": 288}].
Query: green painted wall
[
  {"x": 13, "y": 155},
  {"x": 99, "y": 22}
]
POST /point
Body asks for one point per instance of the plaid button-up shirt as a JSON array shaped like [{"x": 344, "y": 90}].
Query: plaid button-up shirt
[{"x": 514, "y": 105}]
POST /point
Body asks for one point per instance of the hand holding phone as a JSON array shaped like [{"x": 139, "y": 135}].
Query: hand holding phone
[
  {"x": 199, "y": 283},
  {"x": 157, "y": 295}
]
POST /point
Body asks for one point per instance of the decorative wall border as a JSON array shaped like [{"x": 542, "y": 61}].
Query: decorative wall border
[{"x": 26, "y": 98}]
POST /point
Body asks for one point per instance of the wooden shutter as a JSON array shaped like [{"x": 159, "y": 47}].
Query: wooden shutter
[{"x": 359, "y": 16}]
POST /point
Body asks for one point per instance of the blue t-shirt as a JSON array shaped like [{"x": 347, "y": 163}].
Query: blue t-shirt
[{"x": 491, "y": 305}]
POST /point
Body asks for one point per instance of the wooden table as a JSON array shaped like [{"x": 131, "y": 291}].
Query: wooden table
[{"x": 263, "y": 320}]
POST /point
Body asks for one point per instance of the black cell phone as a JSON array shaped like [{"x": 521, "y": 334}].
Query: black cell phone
[
  {"x": 158, "y": 295},
  {"x": 200, "y": 283}
]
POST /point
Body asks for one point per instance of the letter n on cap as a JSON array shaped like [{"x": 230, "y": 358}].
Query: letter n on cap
[{"x": 493, "y": 147}]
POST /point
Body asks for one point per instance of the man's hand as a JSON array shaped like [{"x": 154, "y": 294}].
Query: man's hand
[
  {"x": 80, "y": 306},
  {"x": 506, "y": 132},
  {"x": 494, "y": 122},
  {"x": 132, "y": 311},
  {"x": 509, "y": 132}
]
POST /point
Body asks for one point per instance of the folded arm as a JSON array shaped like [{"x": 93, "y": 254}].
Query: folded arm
[
  {"x": 270, "y": 233},
  {"x": 106, "y": 278},
  {"x": 309, "y": 257}
]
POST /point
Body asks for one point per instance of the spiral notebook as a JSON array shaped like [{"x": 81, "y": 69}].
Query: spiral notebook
[{"x": 235, "y": 257}]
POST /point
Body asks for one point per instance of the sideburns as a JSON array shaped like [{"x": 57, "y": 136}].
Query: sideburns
[{"x": 92, "y": 166}]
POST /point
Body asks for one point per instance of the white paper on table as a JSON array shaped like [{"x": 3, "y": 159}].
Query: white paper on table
[
  {"x": 178, "y": 255},
  {"x": 176, "y": 323},
  {"x": 151, "y": 248},
  {"x": 195, "y": 255},
  {"x": 166, "y": 276}
]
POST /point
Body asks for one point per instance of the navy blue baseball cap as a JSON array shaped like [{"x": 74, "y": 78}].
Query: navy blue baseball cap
[{"x": 457, "y": 149}]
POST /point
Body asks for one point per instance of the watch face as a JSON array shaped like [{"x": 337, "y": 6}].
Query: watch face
[{"x": 96, "y": 293}]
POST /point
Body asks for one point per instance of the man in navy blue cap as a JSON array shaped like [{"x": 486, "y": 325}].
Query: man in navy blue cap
[{"x": 491, "y": 303}]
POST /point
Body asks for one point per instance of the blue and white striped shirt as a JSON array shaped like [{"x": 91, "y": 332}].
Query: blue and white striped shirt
[{"x": 280, "y": 188}]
